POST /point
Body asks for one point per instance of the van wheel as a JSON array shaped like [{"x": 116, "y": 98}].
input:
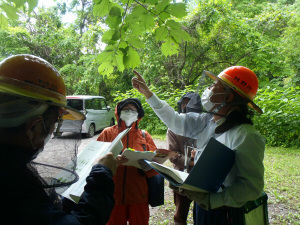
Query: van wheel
[
  {"x": 112, "y": 122},
  {"x": 91, "y": 131}
]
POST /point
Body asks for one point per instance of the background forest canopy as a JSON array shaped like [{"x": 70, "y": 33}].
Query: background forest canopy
[{"x": 170, "y": 43}]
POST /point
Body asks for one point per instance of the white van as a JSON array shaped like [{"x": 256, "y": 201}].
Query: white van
[{"x": 98, "y": 114}]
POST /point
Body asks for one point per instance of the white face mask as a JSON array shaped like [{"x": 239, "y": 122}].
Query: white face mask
[
  {"x": 206, "y": 102},
  {"x": 129, "y": 117}
]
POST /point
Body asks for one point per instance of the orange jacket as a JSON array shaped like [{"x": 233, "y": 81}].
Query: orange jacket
[{"x": 130, "y": 182}]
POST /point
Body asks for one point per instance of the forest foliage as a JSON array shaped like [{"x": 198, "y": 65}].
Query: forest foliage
[{"x": 170, "y": 44}]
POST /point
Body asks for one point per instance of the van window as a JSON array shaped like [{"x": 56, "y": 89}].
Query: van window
[
  {"x": 103, "y": 104},
  {"x": 89, "y": 104},
  {"x": 75, "y": 103},
  {"x": 97, "y": 105}
]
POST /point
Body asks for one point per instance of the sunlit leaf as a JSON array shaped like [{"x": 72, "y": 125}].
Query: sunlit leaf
[
  {"x": 119, "y": 60},
  {"x": 131, "y": 59},
  {"x": 107, "y": 36},
  {"x": 102, "y": 9},
  {"x": 10, "y": 11},
  {"x": 161, "y": 5},
  {"x": 135, "y": 42},
  {"x": 161, "y": 33},
  {"x": 32, "y": 4},
  {"x": 173, "y": 24},
  {"x": 123, "y": 44},
  {"x": 105, "y": 68},
  {"x": 113, "y": 22},
  {"x": 147, "y": 21},
  {"x": 177, "y": 9},
  {"x": 179, "y": 35},
  {"x": 3, "y": 21},
  {"x": 170, "y": 47},
  {"x": 105, "y": 56}
]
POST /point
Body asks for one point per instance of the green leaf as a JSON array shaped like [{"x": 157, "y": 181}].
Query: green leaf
[
  {"x": 105, "y": 68},
  {"x": 107, "y": 36},
  {"x": 135, "y": 42},
  {"x": 102, "y": 9},
  {"x": 173, "y": 24},
  {"x": 161, "y": 5},
  {"x": 151, "y": 2},
  {"x": 147, "y": 21},
  {"x": 105, "y": 56},
  {"x": 123, "y": 44},
  {"x": 116, "y": 36},
  {"x": 32, "y": 4},
  {"x": 3, "y": 21},
  {"x": 127, "y": 2},
  {"x": 138, "y": 11},
  {"x": 179, "y": 35},
  {"x": 163, "y": 16},
  {"x": 10, "y": 11},
  {"x": 113, "y": 22},
  {"x": 115, "y": 11},
  {"x": 177, "y": 9},
  {"x": 131, "y": 59},
  {"x": 118, "y": 60},
  {"x": 170, "y": 47},
  {"x": 161, "y": 33}
]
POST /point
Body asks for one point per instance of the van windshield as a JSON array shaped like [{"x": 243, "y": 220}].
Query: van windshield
[{"x": 75, "y": 103}]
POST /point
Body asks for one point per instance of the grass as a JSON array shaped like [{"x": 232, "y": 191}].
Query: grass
[{"x": 282, "y": 184}]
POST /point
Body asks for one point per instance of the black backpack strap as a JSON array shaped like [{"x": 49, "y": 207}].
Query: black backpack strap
[{"x": 144, "y": 136}]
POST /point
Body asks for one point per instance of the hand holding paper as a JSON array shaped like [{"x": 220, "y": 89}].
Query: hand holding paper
[{"x": 109, "y": 161}]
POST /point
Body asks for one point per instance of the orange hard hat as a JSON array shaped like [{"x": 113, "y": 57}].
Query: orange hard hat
[
  {"x": 32, "y": 77},
  {"x": 242, "y": 80}
]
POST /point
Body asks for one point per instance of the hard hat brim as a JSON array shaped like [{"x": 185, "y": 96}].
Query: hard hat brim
[
  {"x": 73, "y": 114},
  {"x": 251, "y": 104}
]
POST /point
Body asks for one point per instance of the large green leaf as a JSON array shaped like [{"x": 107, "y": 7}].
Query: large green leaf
[
  {"x": 179, "y": 35},
  {"x": 10, "y": 11},
  {"x": 173, "y": 24},
  {"x": 118, "y": 60},
  {"x": 161, "y": 5},
  {"x": 161, "y": 33},
  {"x": 105, "y": 56},
  {"x": 131, "y": 59},
  {"x": 147, "y": 21},
  {"x": 107, "y": 36},
  {"x": 138, "y": 11},
  {"x": 135, "y": 42},
  {"x": 170, "y": 47},
  {"x": 113, "y": 21},
  {"x": 3, "y": 21},
  {"x": 105, "y": 68},
  {"x": 177, "y": 9},
  {"x": 115, "y": 11},
  {"x": 123, "y": 44},
  {"x": 102, "y": 9},
  {"x": 32, "y": 4}
]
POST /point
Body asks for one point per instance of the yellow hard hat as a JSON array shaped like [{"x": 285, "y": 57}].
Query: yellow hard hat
[{"x": 31, "y": 77}]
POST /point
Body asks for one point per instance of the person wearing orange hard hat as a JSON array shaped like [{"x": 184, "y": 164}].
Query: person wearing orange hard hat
[
  {"x": 227, "y": 118},
  {"x": 32, "y": 101}
]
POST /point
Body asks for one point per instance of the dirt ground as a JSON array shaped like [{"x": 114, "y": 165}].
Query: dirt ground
[{"x": 158, "y": 215}]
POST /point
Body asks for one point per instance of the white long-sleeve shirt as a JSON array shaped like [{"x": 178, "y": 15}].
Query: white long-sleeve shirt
[{"x": 245, "y": 181}]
